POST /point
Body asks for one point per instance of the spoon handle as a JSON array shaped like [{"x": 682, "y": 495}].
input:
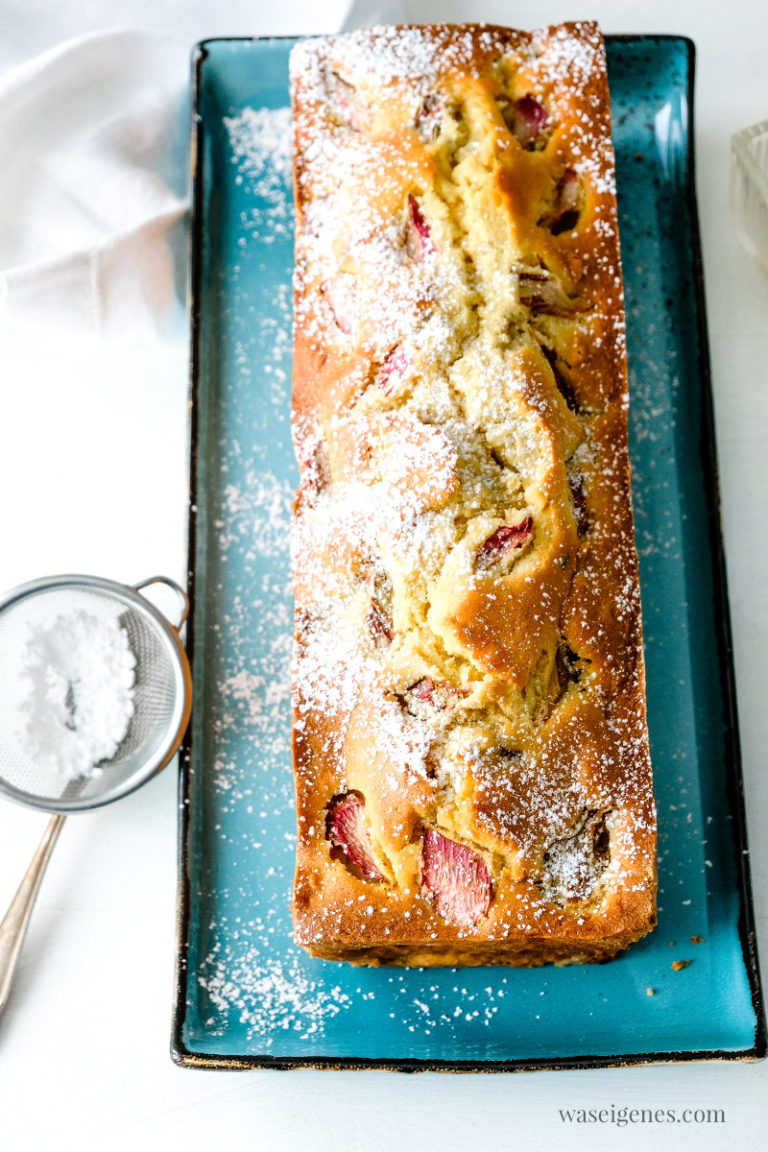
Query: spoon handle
[{"x": 14, "y": 926}]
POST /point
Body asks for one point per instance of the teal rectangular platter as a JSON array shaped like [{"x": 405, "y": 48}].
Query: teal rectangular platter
[{"x": 246, "y": 995}]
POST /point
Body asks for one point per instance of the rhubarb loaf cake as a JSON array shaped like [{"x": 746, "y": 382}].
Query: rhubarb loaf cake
[{"x": 470, "y": 745}]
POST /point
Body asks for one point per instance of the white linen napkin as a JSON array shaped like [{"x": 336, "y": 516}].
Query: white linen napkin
[
  {"x": 94, "y": 140},
  {"x": 93, "y": 136}
]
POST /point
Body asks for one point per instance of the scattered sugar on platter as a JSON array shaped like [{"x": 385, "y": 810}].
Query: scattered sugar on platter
[{"x": 271, "y": 990}]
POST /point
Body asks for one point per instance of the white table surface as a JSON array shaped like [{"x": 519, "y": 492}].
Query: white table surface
[{"x": 92, "y": 477}]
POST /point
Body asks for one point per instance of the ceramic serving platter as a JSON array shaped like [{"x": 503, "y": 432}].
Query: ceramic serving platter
[{"x": 246, "y": 995}]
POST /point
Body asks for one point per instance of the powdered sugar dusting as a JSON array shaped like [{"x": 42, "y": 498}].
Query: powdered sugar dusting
[
  {"x": 246, "y": 957},
  {"x": 429, "y": 329},
  {"x": 74, "y": 693},
  {"x": 258, "y": 513},
  {"x": 266, "y": 991},
  {"x": 381, "y": 54},
  {"x": 261, "y": 143}
]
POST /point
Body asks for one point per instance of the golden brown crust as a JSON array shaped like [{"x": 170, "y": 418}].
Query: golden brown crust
[{"x": 471, "y": 754}]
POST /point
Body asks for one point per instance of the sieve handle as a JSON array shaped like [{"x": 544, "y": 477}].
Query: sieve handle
[
  {"x": 181, "y": 594},
  {"x": 14, "y": 927}
]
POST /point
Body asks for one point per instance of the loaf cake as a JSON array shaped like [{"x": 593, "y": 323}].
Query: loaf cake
[{"x": 471, "y": 753}]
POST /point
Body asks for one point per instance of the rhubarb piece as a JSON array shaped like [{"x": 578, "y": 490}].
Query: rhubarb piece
[
  {"x": 507, "y": 539},
  {"x": 527, "y": 120},
  {"x": 418, "y": 237},
  {"x": 438, "y": 694},
  {"x": 349, "y": 108},
  {"x": 532, "y": 120},
  {"x": 566, "y": 209},
  {"x": 455, "y": 878},
  {"x": 379, "y": 617},
  {"x": 393, "y": 370},
  {"x": 543, "y": 292},
  {"x": 341, "y": 294},
  {"x": 567, "y": 670},
  {"x": 349, "y": 834},
  {"x": 579, "y": 504},
  {"x": 429, "y": 116},
  {"x": 561, "y": 380},
  {"x": 314, "y": 474},
  {"x": 423, "y": 689},
  {"x": 380, "y": 625},
  {"x": 574, "y": 865}
]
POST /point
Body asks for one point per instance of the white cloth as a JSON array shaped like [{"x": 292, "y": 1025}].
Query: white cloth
[
  {"x": 93, "y": 136},
  {"x": 94, "y": 141}
]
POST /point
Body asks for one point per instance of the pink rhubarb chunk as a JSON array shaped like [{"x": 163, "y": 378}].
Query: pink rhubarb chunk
[
  {"x": 348, "y": 832},
  {"x": 380, "y": 625},
  {"x": 349, "y": 106},
  {"x": 314, "y": 476},
  {"x": 526, "y": 119},
  {"x": 455, "y": 878},
  {"x": 394, "y": 369},
  {"x": 341, "y": 294},
  {"x": 418, "y": 238},
  {"x": 508, "y": 538},
  {"x": 439, "y": 694},
  {"x": 429, "y": 116}
]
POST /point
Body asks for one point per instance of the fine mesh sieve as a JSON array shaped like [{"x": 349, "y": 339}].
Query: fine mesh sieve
[
  {"x": 161, "y": 696},
  {"x": 161, "y": 691}
]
